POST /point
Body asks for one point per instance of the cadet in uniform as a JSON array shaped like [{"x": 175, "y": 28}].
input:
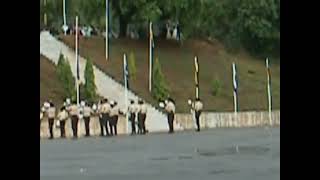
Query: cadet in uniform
[
  {"x": 105, "y": 111},
  {"x": 86, "y": 116},
  {"x": 73, "y": 111},
  {"x": 99, "y": 112},
  {"x": 42, "y": 110},
  {"x": 142, "y": 114},
  {"x": 170, "y": 109},
  {"x": 198, "y": 106},
  {"x": 62, "y": 117},
  {"x": 114, "y": 115},
  {"x": 132, "y": 109},
  {"x": 51, "y": 115}
]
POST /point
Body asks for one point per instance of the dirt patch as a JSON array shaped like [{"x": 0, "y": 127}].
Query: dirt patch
[
  {"x": 177, "y": 63},
  {"x": 50, "y": 87}
]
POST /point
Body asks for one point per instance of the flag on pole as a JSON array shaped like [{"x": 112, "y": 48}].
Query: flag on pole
[
  {"x": 77, "y": 61},
  {"x": 107, "y": 29},
  {"x": 126, "y": 84},
  {"x": 151, "y": 55},
  {"x": 77, "y": 49},
  {"x": 126, "y": 71},
  {"x": 196, "y": 74},
  {"x": 45, "y": 13},
  {"x": 268, "y": 76},
  {"x": 235, "y": 86},
  {"x": 269, "y": 90},
  {"x": 64, "y": 27}
]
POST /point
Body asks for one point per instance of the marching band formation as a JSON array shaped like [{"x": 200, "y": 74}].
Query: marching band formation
[{"x": 108, "y": 113}]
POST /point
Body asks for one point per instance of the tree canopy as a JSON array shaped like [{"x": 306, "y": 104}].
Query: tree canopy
[{"x": 252, "y": 24}]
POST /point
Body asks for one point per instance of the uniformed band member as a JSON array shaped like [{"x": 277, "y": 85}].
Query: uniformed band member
[
  {"x": 114, "y": 115},
  {"x": 142, "y": 113},
  {"x": 41, "y": 116},
  {"x": 102, "y": 123},
  {"x": 170, "y": 109},
  {"x": 51, "y": 115},
  {"x": 197, "y": 106},
  {"x": 42, "y": 111},
  {"x": 87, "y": 111},
  {"x": 132, "y": 110},
  {"x": 73, "y": 111},
  {"x": 105, "y": 113},
  {"x": 62, "y": 117}
]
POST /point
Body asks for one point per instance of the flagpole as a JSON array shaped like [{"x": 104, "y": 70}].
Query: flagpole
[
  {"x": 64, "y": 18},
  {"x": 45, "y": 13},
  {"x": 150, "y": 55},
  {"x": 196, "y": 74},
  {"x": 126, "y": 89},
  {"x": 107, "y": 29},
  {"x": 77, "y": 59},
  {"x": 235, "y": 95},
  {"x": 269, "y": 91}
]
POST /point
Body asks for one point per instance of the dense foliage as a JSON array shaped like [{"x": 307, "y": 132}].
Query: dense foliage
[{"x": 252, "y": 24}]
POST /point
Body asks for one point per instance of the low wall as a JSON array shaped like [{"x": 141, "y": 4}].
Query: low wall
[
  {"x": 207, "y": 120},
  {"x": 242, "y": 119}
]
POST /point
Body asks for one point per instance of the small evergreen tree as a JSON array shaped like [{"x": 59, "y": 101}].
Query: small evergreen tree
[
  {"x": 66, "y": 77},
  {"x": 89, "y": 90},
  {"x": 216, "y": 87},
  {"x": 132, "y": 66},
  {"x": 160, "y": 89}
]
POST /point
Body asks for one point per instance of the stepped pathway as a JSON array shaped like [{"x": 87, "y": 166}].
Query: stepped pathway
[{"x": 107, "y": 87}]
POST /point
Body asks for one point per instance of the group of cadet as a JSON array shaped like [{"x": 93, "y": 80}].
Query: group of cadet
[{"x": 108, "y": 113}]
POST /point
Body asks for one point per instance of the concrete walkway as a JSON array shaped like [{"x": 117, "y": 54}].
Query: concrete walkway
[{"x": 51, "y": 48}]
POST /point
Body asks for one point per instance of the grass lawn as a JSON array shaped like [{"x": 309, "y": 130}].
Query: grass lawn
[{"x": 178, "y": 67}]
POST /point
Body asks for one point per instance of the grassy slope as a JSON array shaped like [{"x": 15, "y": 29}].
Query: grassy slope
[
  {"x": 177, "y": 65},
  {"x": 50, "y": 87}
]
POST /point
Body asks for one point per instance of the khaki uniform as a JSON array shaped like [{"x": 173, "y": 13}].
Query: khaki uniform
[
  {"x": 62, "y": 117},
  {"x": 132, "y": 110},
  {"x": 198, "y": 106},
  {"x": 114, "y": 115},
  {"x": 41, "y": 117},
  {"x": 142, "y": 114},
  {"x": 87, "y": 111},
  {"x": 51, "y": 112},
  {"x": 74, "y": 113},
  {"x": 170, "y": 109},
  {"x": 105, "y": 109}
]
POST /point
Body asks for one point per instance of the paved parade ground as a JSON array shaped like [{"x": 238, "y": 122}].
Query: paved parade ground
[{"x": 216, "y": 154}]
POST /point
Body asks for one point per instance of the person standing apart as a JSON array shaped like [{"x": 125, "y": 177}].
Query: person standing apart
[
  {"x": 51, "y": 115},
  {"x": 198, "y": 106},
  {"x": 170, "y": 109}
]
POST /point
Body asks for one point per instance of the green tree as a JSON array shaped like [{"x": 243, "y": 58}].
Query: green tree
[
  {"x": 259, "y": 25},
  {"x": 160, "y": 89},
  {"x": 66, "y": 78},
  {"x": 134, "y": 12},
  {"x": 132, "y": 66},
  {"x": 89, "y": 89}
]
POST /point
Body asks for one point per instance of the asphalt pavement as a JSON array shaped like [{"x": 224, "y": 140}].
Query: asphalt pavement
[{"x": 216, "y": 154}]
